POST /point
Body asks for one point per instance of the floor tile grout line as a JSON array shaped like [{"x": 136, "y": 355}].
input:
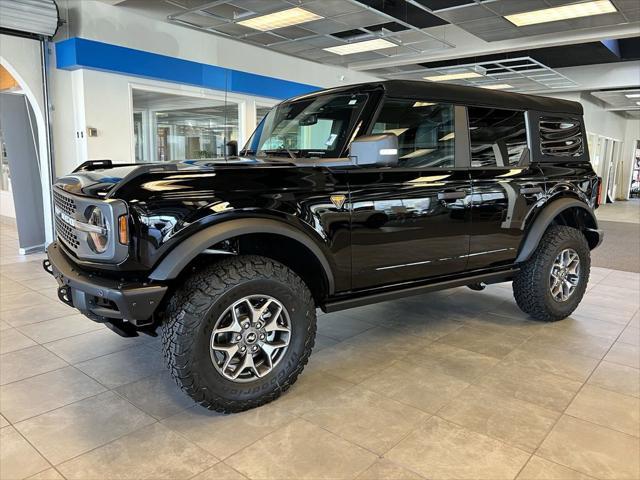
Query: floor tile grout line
[
  {"x": 575, "y": 396},
  {"x": 51, "y": 465},
  {"x": 99, "y": 327}
]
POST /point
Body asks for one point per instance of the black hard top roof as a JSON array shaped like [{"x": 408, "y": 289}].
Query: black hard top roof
[{"x": 445, "y": 92}]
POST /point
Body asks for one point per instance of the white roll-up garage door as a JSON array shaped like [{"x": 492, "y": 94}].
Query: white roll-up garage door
[{"x": 30, "y": 17}]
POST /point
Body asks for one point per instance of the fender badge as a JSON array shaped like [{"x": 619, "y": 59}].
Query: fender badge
[{"x": 338, "y": 200}]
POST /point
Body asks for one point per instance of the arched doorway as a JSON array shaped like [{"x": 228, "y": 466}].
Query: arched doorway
[{"x": 26, "y": 164}]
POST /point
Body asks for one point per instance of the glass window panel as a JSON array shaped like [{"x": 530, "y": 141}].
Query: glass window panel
[
  {"x": 498, "y": 137},
  {"x": 261, "y": 112},
  {"x": 425, "y": 132},
  {"x": 182, "y": 127}
]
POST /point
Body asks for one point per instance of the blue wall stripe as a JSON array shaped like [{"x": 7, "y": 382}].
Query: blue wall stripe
[{"x": 76, "y": 53}]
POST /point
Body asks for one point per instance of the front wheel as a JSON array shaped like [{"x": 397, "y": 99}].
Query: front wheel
[
  {"x": 551, "y": 284},
  {"x": 239, "y": 332}
]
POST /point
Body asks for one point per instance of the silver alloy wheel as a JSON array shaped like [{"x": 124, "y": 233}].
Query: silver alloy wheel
[
  {"x": 250, "y": 338},
  {"x": 565, "y": 275}
]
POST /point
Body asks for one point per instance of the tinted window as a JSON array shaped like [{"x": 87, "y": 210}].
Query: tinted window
[
  {"x": 561, "y": 137},
  {"x": 424, "y": 131},
  {"x": 498, "y": 137}
]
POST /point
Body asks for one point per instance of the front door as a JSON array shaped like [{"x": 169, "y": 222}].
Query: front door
[{"x": 411, "y": 221}]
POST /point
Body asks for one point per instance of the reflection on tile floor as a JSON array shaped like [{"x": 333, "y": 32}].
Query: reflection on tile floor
[{"x": 456, "y": 384}]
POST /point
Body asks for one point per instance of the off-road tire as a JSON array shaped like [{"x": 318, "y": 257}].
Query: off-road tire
[
  {"x": 195, "y": 307},
  {"x": 531, "y": 285}
]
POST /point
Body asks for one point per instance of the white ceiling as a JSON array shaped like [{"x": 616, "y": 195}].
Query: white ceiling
[{"x": 422, "y": 30}]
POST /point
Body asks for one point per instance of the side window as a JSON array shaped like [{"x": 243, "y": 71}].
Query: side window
[
  {"x": 498, "y": 137},
  {"x": 561, "y": 137},
  {"x": 425, "y": 132}
]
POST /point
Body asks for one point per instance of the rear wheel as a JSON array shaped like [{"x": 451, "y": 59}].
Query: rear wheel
[
  {"x": 551, "y": 284},
  {"x": 239, "y": 332}
]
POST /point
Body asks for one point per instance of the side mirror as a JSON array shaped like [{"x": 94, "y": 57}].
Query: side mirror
[
  {"x": 379, "y": 150},
  {"x": 231, "y": 149}
]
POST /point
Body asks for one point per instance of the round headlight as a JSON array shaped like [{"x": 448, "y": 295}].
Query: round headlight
[{"x": 99, "y": 239}]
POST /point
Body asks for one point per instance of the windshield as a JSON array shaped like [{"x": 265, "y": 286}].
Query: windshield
[{"x": 312, "y": 127}]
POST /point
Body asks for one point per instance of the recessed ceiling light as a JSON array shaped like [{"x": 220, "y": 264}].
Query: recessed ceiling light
[
  {"x": 423, "y": 104},
  {"x": 632, "y": 95},
  {"x": 453, "y": 76},
  {"x": 281, "y": 19},
  {"x": 565, "y": 12},
  {"x": 637, "y": 103},
  {"x": 497, "y": 86},
  {"x": 359, "y": 47}
]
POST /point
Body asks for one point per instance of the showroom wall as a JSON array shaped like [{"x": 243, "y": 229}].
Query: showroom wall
[
  {"x": 611, "y": 125},
  {"x": 102, "y": 100}
]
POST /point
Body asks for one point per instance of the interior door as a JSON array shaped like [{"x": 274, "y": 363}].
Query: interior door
[{"x": 411, "y": 221}]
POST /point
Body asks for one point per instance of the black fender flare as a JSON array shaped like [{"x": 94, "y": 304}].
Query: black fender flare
[
  {"x": 544, "y": 219},
  {"x": 178, "y": 258}
]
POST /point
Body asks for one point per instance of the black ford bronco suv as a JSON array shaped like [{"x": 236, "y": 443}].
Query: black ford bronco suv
[{"x": 341, "y": 198}]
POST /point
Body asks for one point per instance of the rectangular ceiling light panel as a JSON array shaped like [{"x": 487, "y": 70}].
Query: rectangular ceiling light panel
[
  {"x": 453, "y": 76},
  {"x": 359, "y": 47},
  {"x": 496, "y": 86},
  {"x": 282, "y": 19},
  {"x": 565, "y": 12},
  {"x": 632, "y": 95}
]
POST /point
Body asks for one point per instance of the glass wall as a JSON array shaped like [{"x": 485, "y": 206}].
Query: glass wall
[
  {"x": 261, "y": 112},
  {"x": 170, "y": 127}
]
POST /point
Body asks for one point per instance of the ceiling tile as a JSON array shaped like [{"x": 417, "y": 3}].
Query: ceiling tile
[
  {"x": 291, "y": 47},
  {"x": 227, "y": 11},
  {"x": 399, "y": 50},
  {"x": 429, "y": 45},
  {"x": 508, "y": 7},
  {"x": 323, "y": 42},
  {"x": 261, "y": 6},
  {"x": 440, "y": 4},
  {"x": 363, "y": 18},
  {"x": 597, "y": 21},
  {"x": 234, "y": 29},
  {"x": 325, "y": 26},
  {"x": 294, "y": 32},
  {"x": 201, "y": 20},
  {"x": 331, "y": 8},
  {"x": 410, "y": 36},
  {"x": 264, "y": 38},
  {"x": 466, "y": 14},
  {"x": 485, "y": 25}
]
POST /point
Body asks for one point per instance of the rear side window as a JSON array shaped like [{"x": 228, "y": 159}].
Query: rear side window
[
  {"x": 561, "y": 137},
  {"x": 498, "y": 137},
  {"x": 425, "y": 132}
]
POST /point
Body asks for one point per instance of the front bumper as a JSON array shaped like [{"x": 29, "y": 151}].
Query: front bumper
[{"x": 103, "y": 299}]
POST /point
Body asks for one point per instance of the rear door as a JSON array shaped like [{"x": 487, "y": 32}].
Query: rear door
[
  {"x": 505, "y": 186},
  {"x": 411, "y": 221}
]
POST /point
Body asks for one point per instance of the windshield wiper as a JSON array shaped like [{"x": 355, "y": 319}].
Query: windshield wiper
[{"x": 280, "y": 150}]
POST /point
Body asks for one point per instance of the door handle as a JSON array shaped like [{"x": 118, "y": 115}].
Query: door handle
[
  {"x": 451, "y": 195},
  {"x": 530, "y": 190}
]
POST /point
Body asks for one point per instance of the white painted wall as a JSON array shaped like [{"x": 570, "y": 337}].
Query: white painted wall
[
  {"x": 87, "y": 98},
  {"x": 22, "y": 58},
  {"x": 611, "y": 125},
  {"x": 125, "y": 27}
]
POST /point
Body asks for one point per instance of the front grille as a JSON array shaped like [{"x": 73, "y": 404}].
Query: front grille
[
  {"x": 67, "y": 234},
  {"x": 66, "y": 204}
]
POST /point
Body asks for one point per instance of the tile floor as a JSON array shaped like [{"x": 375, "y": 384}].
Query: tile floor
[{"x": 451, "y": 385}]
